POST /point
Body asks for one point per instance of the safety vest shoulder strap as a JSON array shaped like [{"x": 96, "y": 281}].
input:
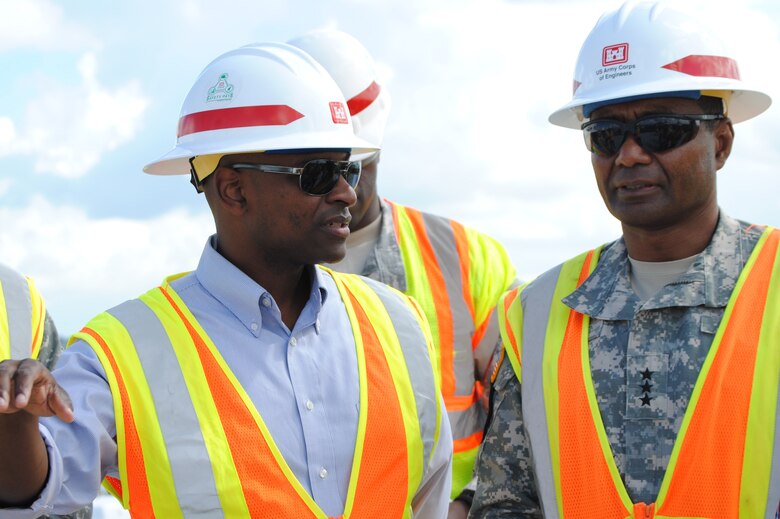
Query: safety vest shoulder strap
[
  {"x": 22, "y": 316},
  {"x": 402, "y": 333},
  {"x": 525, "y": 338},
  {"x": 435, "y": 278},
  {"x": 723, "y": 459},
  {"x": 457, "y": 275}
]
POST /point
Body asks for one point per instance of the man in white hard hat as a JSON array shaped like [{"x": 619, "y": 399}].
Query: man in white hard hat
[
  {"x": 258, "y": 385},
  {"x": 643, "y": 375},
  {"x": 27, "y": 330},
  {"x": 456, "y": 273}
]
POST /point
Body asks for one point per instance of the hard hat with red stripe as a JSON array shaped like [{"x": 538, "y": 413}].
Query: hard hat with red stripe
[
  {"x": 258, "y": 98},
  {"x": 654, "y": 49},
  {"x": 352, "y": 67}
]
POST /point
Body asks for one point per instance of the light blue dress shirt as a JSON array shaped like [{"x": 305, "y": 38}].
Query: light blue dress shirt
[{"x": 304, "y": 383}]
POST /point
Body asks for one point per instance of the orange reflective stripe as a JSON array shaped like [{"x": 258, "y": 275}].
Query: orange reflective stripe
[
  {"x": 441, "y": 303},
  {"x": 39, "y": 321},
  {"x": 265, "y": 487},
  {"x": 462, "y": 246},
  {"x": 460, "y": 403},
  {"x": 508, "y": 300},
  {"x": 137, "y": 485},
  {"x": 394, "y": 209},
  {"x": 387, "y": 451},
  {"x": 115, "y": 484},
  {"x": 723, "y": 406},
  {"x": 644, "y": 511},
  {"x": 481, "y": 329},
  {"x": 581, "y": 458},
  {"x": 467, "y": 443}
]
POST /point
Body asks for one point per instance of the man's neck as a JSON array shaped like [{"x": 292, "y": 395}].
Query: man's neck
[
  {"x": 290, "y": 289},
  {"x": 670, "y": 243},
  {"x": 289, "y": 285}
]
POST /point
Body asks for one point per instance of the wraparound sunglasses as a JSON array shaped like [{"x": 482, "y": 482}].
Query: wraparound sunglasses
[
  {"x": 654, "y": 133},
  {"x": 317, "y": 177}
]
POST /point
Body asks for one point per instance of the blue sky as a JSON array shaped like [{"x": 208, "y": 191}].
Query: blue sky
[{"x": 92, "y": 92}]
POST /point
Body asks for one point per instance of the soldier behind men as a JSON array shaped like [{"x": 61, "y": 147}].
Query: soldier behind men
[
  {"x": 643, "y": 375},
  {"x": 259, "y": 385},
  {"x": 456, "y": 273}
]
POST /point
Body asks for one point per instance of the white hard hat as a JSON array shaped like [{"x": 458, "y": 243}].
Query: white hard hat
[
  {"x": 353, "y": 68},
  {"x": 261, "y": 97},
  {"x": 644, "y": 49}
]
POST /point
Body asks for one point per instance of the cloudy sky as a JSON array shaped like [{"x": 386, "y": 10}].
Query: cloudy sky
[{"x": 92, "y": 92}]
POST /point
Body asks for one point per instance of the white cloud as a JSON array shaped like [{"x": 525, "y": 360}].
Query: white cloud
[
  {"x": 68, "y": 128},
  {"x": 39, "y": 24},
  {"x": 7, "y": 135},
  {"x": 84, "y": 265}
]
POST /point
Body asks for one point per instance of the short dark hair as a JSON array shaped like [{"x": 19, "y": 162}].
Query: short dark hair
[{"x": 711, "y": 105}]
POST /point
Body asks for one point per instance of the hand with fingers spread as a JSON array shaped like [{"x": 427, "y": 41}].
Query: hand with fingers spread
[{"x": 27, "y": 391}]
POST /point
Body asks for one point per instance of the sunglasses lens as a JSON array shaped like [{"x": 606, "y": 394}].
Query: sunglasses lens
[
  {"x": 658, "y": 134},
  {"x": 319, "y": 177},
  {"x": 654, "y": 134},
  {"x": 352, "y": 174},
  {"x": 604, "y": 138}
]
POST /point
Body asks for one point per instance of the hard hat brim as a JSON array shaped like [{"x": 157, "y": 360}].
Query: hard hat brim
[
  {"x": 177, "y": 161},
  {"x": 743, "y": 104}
]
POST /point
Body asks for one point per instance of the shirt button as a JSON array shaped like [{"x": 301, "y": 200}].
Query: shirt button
[
  {"x": 323, "y": 473},
  {"x": 309, "y": 405},
  {"x": 253, "y": 326},
  {"x": 292, "y": 341},
  {"x": 266, "y": 302}
]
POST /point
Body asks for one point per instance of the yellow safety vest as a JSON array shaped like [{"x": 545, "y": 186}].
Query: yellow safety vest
[
  {"x": 457, "y": 275},
  {"x": 22, "y": 316},
  {"x": 726, "y": 451},
  {"x": 191, "y": 443}
]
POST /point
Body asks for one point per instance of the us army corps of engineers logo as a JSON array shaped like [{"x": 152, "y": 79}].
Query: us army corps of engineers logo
[{"x": 222, "y": 91}]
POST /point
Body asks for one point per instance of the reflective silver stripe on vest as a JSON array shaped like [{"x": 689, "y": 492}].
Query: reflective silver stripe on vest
[
  {"x": 18, "y": 307},
  {"x": 190, "y": 463},
  {"x": 467, "y": 422},
  {"x": 442, "y": 240},
  {"x": 773, "y": 498},
  {"x": 412, "y": 341},
  {"x": 535, "y": 319}
]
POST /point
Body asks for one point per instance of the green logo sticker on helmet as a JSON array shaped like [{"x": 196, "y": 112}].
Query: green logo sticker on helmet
[{"x": 222, "y": 91}]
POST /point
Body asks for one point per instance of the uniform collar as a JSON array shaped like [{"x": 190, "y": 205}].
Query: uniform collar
[
  {"x": 709, "y": 282},
  {"x": 385, "y": 263}
]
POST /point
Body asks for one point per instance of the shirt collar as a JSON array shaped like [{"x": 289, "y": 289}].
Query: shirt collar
[
  {"x": 710, "y": 280},
  {"x": 241, "y": 294}
]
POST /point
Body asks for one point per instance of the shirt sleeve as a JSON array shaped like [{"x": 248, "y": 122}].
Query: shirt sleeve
[
  {"x": 80, "y": 453},
  {"x": 433, "y": 497},
  {"x": 505, "y": 477}
]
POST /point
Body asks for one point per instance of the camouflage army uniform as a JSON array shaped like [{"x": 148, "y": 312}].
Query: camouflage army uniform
[{"x": 645, "y": 358}]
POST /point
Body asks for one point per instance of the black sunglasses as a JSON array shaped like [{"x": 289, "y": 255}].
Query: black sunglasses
[
  {"x": 654, "y": 133},
  {"x": 317, "y": 177}
]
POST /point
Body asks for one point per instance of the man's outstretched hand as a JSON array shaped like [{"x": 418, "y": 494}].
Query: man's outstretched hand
[{"x": 26, "y": 385}]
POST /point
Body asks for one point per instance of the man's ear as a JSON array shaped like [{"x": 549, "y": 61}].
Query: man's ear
[
  {"x": 724, "y": 139},
  {"x": 228, "y": 190}
]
